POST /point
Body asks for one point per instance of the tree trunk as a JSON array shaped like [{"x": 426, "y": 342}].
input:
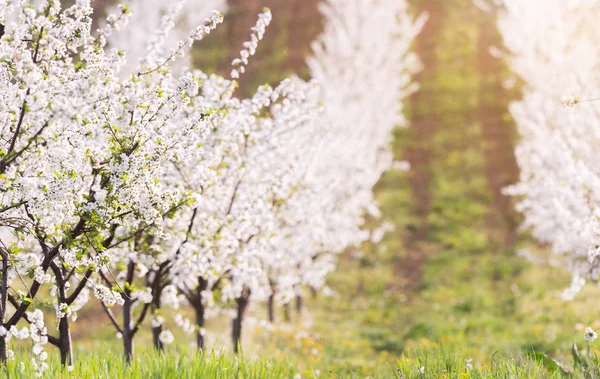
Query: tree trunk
[
  {"x": 199, "y": 307},
  {"x": 128, "y": 346},
  {"x": 127, "y": 330},
  {"x": 271, "y": 302},
  {"x": 271, "y": 307},
  {"x": 156, "y": 330},
  {"x": 299, "y": 303},
  {"x": 236, "y": 330},
  {"x": 3, "y": 305},
  {"x": 66, "y": 345},
  {"x": 286, "y": 312},
  {"x": 3, "y": 351},
  {"x": 200, "y": 312}
]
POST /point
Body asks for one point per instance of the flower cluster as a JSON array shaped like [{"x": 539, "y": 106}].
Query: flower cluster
[
  {"x": 163, "y": 27},
  {"x": 258, "y": 32}
]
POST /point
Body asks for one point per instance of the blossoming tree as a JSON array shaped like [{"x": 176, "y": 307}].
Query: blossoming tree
[
  {"x": 553, "y": 46},
  {"x": 83, "y": 153}
]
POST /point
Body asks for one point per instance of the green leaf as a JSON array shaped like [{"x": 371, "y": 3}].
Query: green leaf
[
  {"x": 549, "y": 363},
  {"x": 576, "y": 357}
]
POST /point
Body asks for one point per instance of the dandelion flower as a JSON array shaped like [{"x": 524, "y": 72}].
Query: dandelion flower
[
  {"x": 589, "y": 334},
  {"x": 469, "y": 364}
]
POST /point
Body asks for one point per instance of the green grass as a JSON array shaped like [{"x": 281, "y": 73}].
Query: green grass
[
  {"x": 440, "y": 362},
  {"x": 446, "y": 363},
  {"x": 106, "y": 364}
]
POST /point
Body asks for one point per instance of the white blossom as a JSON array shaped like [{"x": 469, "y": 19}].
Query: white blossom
[
  {"x": 144, "y": 296},
  {"x": 166, "y": 337},
  {"x": 157, "y": 321}
]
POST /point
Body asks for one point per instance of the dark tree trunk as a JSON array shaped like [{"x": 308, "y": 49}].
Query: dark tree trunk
[
  {"x": 271, "y": 307},
  {"x": 156, "y": 330},
  {"x": 64, "y": 331},
  {"x": 128, "y": 327},
  {"x": 3, "y": 303},
  {"x": 128, "y": 347},
  {"x": 299, "y": 303},
  {"x": 3, "y": 351},
  {"x": 200, "y": 310},
  {"x": 286, "y": 312},
  {"x": 66, "y": 345},
  {"x": 236, "y": 330},
  {"x": 127, "y": 330},
  {"x": 199, "y": 307},
  {"x": 271, "y": 301}
]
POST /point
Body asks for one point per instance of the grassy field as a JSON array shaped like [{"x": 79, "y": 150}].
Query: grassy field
[{"x": 182, "y": 366}]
